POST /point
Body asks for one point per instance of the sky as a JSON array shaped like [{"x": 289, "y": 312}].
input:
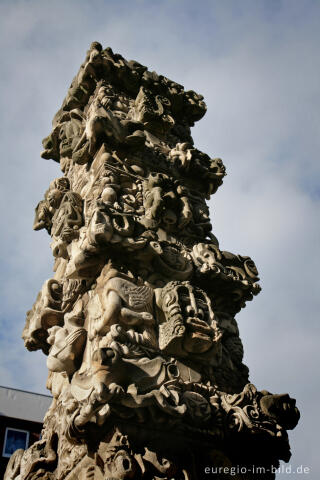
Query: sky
[{"x": 257, "y": 64}]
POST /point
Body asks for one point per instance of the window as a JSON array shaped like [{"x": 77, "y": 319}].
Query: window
[{"x": 13, "y": 440}]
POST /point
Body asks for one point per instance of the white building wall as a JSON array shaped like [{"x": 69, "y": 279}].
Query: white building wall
[{"x": 23, "y": 405}]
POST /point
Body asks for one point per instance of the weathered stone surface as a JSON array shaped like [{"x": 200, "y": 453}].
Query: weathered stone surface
[{"x": 144, "y": 354}]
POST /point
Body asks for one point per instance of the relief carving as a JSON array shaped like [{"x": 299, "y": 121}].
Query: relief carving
[
  {"x": 138, "y": 323},
  {"x": 189, "y": 328}
]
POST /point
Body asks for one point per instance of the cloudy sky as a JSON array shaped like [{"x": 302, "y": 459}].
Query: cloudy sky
[{"x": 257, "y": 64}]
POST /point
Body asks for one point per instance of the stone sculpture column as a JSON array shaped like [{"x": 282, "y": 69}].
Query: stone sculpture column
[{"x": 138, "y": 322}]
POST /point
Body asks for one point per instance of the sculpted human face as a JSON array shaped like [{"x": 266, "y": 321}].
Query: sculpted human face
[
  {"x": 191, "y": 308},
  {"x": 195, "y": 309},
  {"x": 54, "y": 198},
  {"x": 100, "y": 230},
  {"x": 64, "y": 141},
  {"x": 173, "y": 258},
  {"x": 207, "y": 255}
]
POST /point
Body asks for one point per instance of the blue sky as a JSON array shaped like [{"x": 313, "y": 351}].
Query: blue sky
[{"x": 257, "y": 64}]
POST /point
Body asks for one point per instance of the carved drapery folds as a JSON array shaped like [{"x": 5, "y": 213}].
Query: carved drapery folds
[{"x": 143, "y": 350}]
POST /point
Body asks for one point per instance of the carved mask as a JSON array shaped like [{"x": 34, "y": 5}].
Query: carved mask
[{"x": 190, "y": 308}]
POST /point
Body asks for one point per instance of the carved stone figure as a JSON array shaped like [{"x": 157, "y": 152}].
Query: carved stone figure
[
  {"x": 67, "y": 343},
  {"x": 123, "y": 302},
  {"x": 45, "y": 313},
  {"x": 46, "y": 208},
  {"x": 189, "y": 328},
  {"x": 138, "y": 322}
]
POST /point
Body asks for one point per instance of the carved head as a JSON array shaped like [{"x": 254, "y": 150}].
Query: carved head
[
  {"x": 280, "y": 407},
  {"x": 181, "y": 155},
  {"x": 62, "y": 184},
  {"x": 51, "y": 145},
  {"x": 54, "y": 197},
  {"x": 198, "y": 407},
  {"x": 194, "y": 105},
  {"x": 189, "y": 307},
  {"x": 116, "y": 459},
  {"x": 96, "y": 46},
  {"x": 206, "y": 257},
  {"x": 100, "y": 229}
]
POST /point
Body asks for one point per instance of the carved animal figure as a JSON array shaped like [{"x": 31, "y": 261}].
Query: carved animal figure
[
  {"x": 123, "y": 302},
  {"x": 165, "y": 201}
]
